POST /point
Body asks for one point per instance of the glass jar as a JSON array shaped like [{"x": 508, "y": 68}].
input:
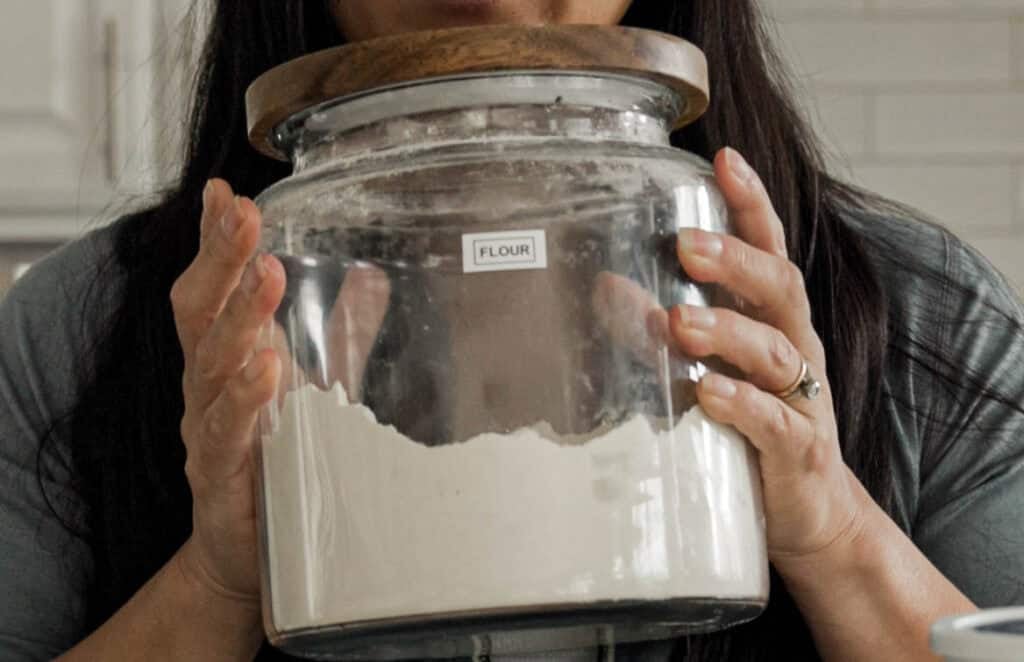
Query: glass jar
[{"x": 483, "y": 441}]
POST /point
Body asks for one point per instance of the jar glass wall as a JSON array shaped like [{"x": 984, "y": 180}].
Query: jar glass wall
[{"x": 483, "y": 440}]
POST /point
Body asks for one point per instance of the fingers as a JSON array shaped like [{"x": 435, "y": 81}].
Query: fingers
[
  {"x": 354, "y": 324},
  {"x": 787, "y": 440},
  {"x": 217, "y": 196},
  {"x": 750, "y": 208},
  {"x": 231, "y": 339},
  {"x": 201, "y": 291},
  {"x": 772, "y": 285},
  {"x": 630, "y": 315},
  {"x": 219, "y": 451},
  {"x": 761, "y": 352}
]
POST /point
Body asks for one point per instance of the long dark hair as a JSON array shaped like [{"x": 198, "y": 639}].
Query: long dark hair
[{"x": 126, "y": 451}]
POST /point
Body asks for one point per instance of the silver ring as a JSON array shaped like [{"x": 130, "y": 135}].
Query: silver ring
[{"x": 805, "y": 384}]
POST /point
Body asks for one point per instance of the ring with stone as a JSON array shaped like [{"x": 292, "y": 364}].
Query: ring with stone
[{"x": 805, "y": 385}]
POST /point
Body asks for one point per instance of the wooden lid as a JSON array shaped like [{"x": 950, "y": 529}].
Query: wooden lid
[{"x": 379, "y": 63}]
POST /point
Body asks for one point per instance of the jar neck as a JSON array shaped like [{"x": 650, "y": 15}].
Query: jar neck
[{"x": 509, "y": 108}]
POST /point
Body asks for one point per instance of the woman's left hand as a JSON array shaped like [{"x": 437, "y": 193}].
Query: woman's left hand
[
  {"x": 813, "y": 503},
  {"x": 863, "y": 588}
]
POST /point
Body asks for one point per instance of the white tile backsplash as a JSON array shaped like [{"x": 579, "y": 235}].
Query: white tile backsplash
[
  {"x": 842, "y": 120},
  {"x": 963, "y": 6},
  {"x": 924, "y": 102},
  {"x": 847, "y": 51},
  {"x": 973, "y": 199},
  {"x": 783, "y": 6},
  {"x": 968, "y": 124}
]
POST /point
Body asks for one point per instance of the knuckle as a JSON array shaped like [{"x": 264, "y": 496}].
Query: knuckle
[
  {"x": 187, "y": 311},
  {"x": 746, "y": 396},
  {"x": 781, "y": 353},
  {"x": 180, "y": 296},
  {"x": 817, "y": 354},
  {"x": 189, "y": 428},
  {"x": 196, "y": 476},
  {"x": 206, "y": 359},
  {"x": 237, "y": 306},
  {"x": 215, "y": 428},
  {"x": 222, "y": 251},
  {"x": 791, "y": 281},
  {"x": 739, "y": 256},
  {"x": 185, "y": 429},
  {"x": 778, "y": 424},
  {"x": 779, "y": 239},
  {"x": 191, "y": 473},
  {"x": 225, "y": 417},
  {"x": 815, "y": 453},
  {"x": 186, "y": 383},
  {"x": 236, "y": 391}
]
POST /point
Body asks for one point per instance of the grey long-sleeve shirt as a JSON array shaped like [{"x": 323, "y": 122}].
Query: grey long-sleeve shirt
[{"x": 960, "y": 491}]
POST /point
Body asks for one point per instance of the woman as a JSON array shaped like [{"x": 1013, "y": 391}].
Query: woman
[{"x": 892, "y": 499}]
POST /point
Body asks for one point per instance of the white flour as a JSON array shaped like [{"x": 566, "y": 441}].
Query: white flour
[{"x": 364, "y": 523}]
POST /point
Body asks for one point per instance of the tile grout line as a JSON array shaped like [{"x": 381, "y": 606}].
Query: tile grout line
[
  {"x": 871, "y": 14},
  {"x": 905, "y": 159},
  {"x": 994, "y": 86}
]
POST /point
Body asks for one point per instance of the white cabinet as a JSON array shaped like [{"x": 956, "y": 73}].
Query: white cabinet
[{"x": 80, "y": 116}]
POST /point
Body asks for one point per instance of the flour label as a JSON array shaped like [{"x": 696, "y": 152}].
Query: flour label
[{"x": 504, "y": 251}]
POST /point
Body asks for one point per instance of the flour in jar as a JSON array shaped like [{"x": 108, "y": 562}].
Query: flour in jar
[{"x": 364, "y": 523}]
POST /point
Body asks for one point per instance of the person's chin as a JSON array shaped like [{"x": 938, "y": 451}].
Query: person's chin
[
  {"x": 454, "y": 13},
  {"x": 468, "y": 7}
]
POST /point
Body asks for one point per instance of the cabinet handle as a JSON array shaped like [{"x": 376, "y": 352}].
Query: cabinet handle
[{"x": 110, "y": 62}]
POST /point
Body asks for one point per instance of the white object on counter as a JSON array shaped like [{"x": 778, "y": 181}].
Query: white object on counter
[{"x": 990, "y": 635}]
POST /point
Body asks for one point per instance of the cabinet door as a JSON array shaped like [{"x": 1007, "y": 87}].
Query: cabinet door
[
  {"x": 77, "y": 124},
  {"x": 55, "y": 140}
]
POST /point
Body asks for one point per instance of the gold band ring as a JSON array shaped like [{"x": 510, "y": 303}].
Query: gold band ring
[{"x": 805, "y": 384}]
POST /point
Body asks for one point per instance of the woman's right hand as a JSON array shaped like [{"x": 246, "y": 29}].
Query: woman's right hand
[
  {"x": 205, "y": 602},
  {"x": 221, "y": 302}
]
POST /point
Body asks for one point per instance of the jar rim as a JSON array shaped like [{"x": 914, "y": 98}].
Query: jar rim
[
  {"x": 385, "y": 63},
  {"x": 487, "y": 92}
]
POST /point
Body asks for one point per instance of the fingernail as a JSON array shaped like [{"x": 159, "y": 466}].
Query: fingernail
[
  {"x": 232, "y": 219},
  {"x": 718, "y": 386},
  {"x": 254, "y": 369},
  {"x": 706, "y": 244},
  {"x": 254, "y": 275},
  {"x": 739, "y": 166},
  {"x": 207, "y": 194},
  {"x": 697, "y": 317}
]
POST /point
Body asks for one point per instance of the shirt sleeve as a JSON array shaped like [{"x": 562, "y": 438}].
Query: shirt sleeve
[
  {"x": 44, "y": 568},
  {"x": 970, "y": 517}
]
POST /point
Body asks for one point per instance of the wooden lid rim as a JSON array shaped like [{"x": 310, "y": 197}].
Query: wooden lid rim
[{"x": 364, "y": 67}]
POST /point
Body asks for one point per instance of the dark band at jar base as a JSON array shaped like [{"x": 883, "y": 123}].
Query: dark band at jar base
[{"x": 516, "y": 631}]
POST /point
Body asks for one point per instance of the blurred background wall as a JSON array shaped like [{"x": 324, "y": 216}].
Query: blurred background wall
[
  {"x": 90, "y": 92},
  {"x": 920, "y": 100}
]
